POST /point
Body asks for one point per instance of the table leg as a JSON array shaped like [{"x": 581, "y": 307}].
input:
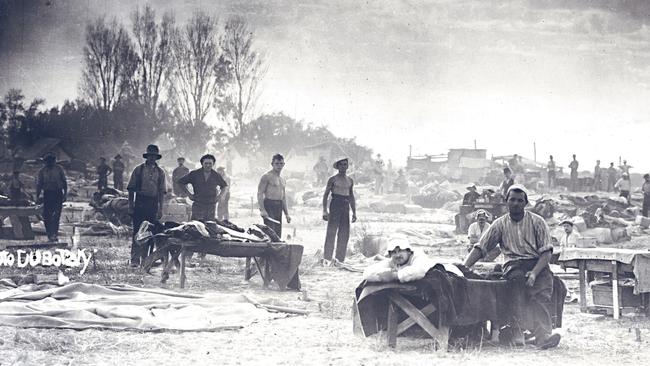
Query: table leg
[
  {"x": 392, "y": 324},
  {"x": 247, "y": 272},
  {"x": 267, "y": 273},
  {"x": 583, "y": 286},
  {"x": 615, "y": 289},
  {"x": 183, "y": 268}
]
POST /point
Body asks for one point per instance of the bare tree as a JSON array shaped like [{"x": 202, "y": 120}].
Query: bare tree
[
  {"x": 153, "y": 46},
  {"x": 198, "y": 77},
  {"x": 110, "y": 64},
  {"x": 247, "y": 68}
]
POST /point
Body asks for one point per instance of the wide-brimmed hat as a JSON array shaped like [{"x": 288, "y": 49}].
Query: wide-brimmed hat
[
  {"x": 566, "y": 222},
  {"x": 152, "y": 150},
  {"x": 481, "y": 212},
  {"x": 471, "y": 185},
  {"x": 118, "y": 156},
  {"x": 338, "y": 160}
]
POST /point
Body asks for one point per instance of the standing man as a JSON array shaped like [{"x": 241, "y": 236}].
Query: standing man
[
  {"x": 204, "y": 183},
  {"x": 625, "y": 168},
  {"x": 574, "y": 174},
  {"x": 338, "y": 219},
  {"x": 598, "y": 177},
  {"x": 508, "y": 181},
  {"x": 223, "y": 214},
  {"x": 525, "y": 241},
  {"x": 379, "y": 175},
  {"x": 624, "y": 185},
  {"x": 271, "y": 196},
  {"x": 52, "y": 182},
  {"x": 550, "y": 167},
  {"x": 118, "y": 172},
  {"x": 612, "y": 174},
  {"x": 16, "y": 189},
  {"x": 178, "y": 173},
  {"x": 103, "y": 171},
  {"x": 645, "y": 188},
  {"x": 321, "y": 170},
  {"x": 146, "y": 192}
]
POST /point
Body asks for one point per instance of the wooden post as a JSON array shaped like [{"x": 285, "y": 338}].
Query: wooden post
[
  {"x": 392, "y": 324},
  {"x": 182, "y": 268},
  {"x": 615, "y": 289},
  {"x": 583, "y": 285},
  {"x": 247, "y": 271}
]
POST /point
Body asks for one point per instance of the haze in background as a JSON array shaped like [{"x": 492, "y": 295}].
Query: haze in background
[{"x": 572, "y": 76}]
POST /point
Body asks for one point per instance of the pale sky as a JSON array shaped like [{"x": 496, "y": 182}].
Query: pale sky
[{"x": 572, "y": 76}]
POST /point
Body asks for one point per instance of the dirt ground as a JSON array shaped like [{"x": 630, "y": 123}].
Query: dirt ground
[{"x": 324, "y": 337}]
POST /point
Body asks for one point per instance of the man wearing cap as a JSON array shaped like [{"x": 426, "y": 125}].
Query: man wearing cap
[
  {"x": 470, "y": 197},
  {"x": 645, "y": 189},
  {"x": 103, "y": 171},
  {"x": 180, "y": 171},
  {"x": 570, "y": 236},
  {"x": 341, "y": 188},
  {"x": 611, "y": 177},
  {"x": 476, "y": 230},
  {"x": 204, "y": 182},
  {"x": 271, "y": 196},
  {"x": 118, "y": 172},
  {"x": 550, "y": 167},
  {"x": 146, "y": 191},
  {"x": 404, "y": 264},
  {"x": 525, "y": 241},
  {"x": 624, "y": 186},
  {"x": 222, "y": 208},
  {"x": 52, "y": 182}
]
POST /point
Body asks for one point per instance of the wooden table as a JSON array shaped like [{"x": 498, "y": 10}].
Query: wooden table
[
  {"x": 274, "y": 261},
  {"x": 618, "y": 263},
  {"x": 21, "y": 228}
]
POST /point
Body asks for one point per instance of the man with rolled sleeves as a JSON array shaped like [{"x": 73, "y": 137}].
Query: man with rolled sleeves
[
  {"x": 52, "y": 182},
  {"x": 178, "y": 173},
  {"x": 204, "y": 181},
  {"x": 146, "y": 192},
  {"x": 525, "y": 241}
]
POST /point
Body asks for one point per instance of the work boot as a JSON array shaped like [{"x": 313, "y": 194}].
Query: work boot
[{"x": 549, "y": 342}]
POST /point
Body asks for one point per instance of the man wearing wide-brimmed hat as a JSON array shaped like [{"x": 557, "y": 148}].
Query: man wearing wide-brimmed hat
[
  {"x": 52, "y": 182},
  {"x": 470, "y": 197},
  {"x": 338, "y": 219},
  {"x": 118, "y": 172},
  {"x": 146, "y": 191}
]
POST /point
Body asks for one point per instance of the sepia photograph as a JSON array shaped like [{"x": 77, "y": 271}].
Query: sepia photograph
[{"x": 324, "y": 182}]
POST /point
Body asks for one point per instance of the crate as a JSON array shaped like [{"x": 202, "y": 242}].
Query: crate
[{"x": 602, "y": 294}]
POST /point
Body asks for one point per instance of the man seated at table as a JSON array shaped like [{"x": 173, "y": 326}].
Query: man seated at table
[
  {"x": 404, "y": 264},
  {"x": 570, "y": 236},
  {"x": 525, "y": 241}
]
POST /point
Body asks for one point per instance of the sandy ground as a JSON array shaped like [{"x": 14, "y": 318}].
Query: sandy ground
[{"x": 324, "y": 337}]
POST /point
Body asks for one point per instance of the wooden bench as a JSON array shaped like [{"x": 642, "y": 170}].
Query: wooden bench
[{"x": 21, "y": 228}]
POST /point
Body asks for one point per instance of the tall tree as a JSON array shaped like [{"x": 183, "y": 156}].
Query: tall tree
[
  {"x": 153, "y": 47},
  {"x": 198, "y": 78},
  {"x": 110, "y": 63},
  {"x": 248, "y": 69}
]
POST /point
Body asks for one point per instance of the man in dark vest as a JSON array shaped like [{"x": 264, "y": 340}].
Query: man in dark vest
[
  {"x": 52, "y": 182},
  {"x": 103, "y": 171},
  {"x": 204, "y": 181},
  {"x": 146, "y": 191}
]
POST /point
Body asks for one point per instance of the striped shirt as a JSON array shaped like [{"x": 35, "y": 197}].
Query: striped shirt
[{"x": 526, "y": 239}]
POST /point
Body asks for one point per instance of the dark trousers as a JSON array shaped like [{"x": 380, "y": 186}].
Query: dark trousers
[
  {"x": 551, "y": 179},
  {"x": 145, "y": 209},
  {"x": 338, "y": 221},
  {"x": 610, "y": 184},
  {"x": 102, "y": 183},
  {"x": 274, "y": 209},
  {"x": 626, "y": 194},
  {"x": 531, "y": 306},
  {"x": 118, "y": 180},
  {"x": 203, "y": 211},
  {"x": 574, "y": 181},
  {"x": 646, "y": 204},
  {"x": 52, "y": 206}
]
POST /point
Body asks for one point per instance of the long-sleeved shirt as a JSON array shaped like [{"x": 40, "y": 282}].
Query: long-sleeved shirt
[
  {"x": 569, "y": 240},
  {"x": 527, "y": 239},
  {"x": 147, "y": 180},
  {"x": 415, "y": 269},
  {"x": 645, "y": 188},
  {"x": 623, "y": 184},
  {"x": 474, "y": 232},
  {"x": 51, "y": 178}
]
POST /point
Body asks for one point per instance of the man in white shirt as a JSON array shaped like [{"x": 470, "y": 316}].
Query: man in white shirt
[
  {"x": 624, "y": 185},
  {"x": 404, "y": 264},
  {"x": 570, "y": 236}
]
